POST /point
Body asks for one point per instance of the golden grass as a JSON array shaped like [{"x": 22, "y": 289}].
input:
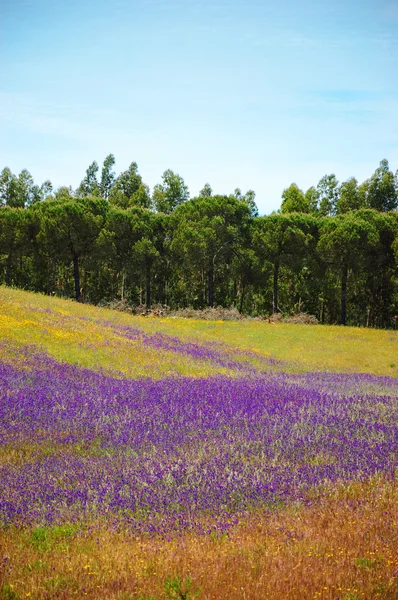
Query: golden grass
[{"x": 344, "y": 545}]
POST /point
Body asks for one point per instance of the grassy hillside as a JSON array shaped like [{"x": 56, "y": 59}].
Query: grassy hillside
[
  {"x": 125, "y": 345},
  {"x": 155, "y": 459}
]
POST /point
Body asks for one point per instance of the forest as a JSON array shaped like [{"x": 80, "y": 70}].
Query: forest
[{"x": 331, "y": 251}]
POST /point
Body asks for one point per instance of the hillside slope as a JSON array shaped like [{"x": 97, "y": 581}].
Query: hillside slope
[{"x": 126, "y": 345}]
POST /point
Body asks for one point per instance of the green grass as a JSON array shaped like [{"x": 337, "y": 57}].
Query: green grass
[{"x": 80, "y": 334}]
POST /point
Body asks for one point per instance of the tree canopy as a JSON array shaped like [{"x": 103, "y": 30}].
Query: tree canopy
[{"x": 331, "y": 250}]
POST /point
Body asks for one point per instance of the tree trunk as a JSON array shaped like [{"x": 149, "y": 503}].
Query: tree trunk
[
  {"x": 344, "y": 278},
  {"x": 148, "y": 287},
  {"x": 123, "y": 284},
  {"x": 76, "y": 275},
  {"x": 242, "y": 296},
  {"x": 165, "y": 293},
  {"x": 8, "y": 270},
  {"x": 275, "y": 295},
  {"x": 211, "y": 286}
]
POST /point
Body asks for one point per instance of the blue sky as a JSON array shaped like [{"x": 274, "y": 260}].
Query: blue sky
[{"x": 253, "y": 94}]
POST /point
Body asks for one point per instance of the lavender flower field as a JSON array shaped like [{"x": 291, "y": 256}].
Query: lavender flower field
[
  {"x": 159, "y": 455},
  {"x": 210, "y": 452}
]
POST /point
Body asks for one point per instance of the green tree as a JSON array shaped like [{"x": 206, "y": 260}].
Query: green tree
[
  {"x": 395, "y": 248},
  {"x": 248, "y": 198},
  {"x": 382, "y": 189},
  {"x": 350, "y": 197},
  {"x": 294, "y": 200},
  {"x": 378, "y": 282},
  {"x": 142, "y": 197},
  {"x": 147, "y": 259},
  {"x": 206, "y": 191},
  {"x": 312, "y": 198},
  {"x": 40, "y": 272},
  {"x": 11, "y": 239},
  {"x": 8, "y": 188},
  {"x": 129, "y": 190},
  {"x": 89, "y": 185},
  {"x": 46, "y": 190},
  {"x": 70, "y": 228},
  {"x": 146, "y": 254},
  {"x": 120, "y": 245},
  {"x": 343, "y": 242},
  {"x": 107, "y": 176},
  {"x": 328, "y": 194},
  {"x": 63, "y": 193},
  {"x": 21, "y": 191},
  {"x": 170, "y": 193},
  {"x": 281, "y": 240},
  {"x": 27, "y": 192},
  {"x": 207, "y": 233}
]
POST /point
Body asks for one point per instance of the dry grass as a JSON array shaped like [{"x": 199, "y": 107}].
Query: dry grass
[{"x": 344, "y": 545}]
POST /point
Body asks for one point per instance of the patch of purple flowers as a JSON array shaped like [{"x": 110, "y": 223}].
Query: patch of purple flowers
[
  {"x": 206, "y": 351},
  {"x": 159, "y": 455}
]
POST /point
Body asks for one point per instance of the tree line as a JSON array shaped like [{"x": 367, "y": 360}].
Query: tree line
[{"x": 331, "y": 251}]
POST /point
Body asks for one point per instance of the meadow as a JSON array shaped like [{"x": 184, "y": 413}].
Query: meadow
[{"x": 149, "y": 458}]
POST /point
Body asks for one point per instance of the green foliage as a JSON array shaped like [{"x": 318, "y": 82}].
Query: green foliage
[
  {"x": 294, "y": 200},
  {"x": 343, "y": 239},
  {"x": 382, "y": 189},
  {"x": 341, "y": 244},
  {"x": 207, "y": 233},
  {"x": 21, "y": 191},
  {"x": 63, "y": 193},
  {"x": 331, "y": 252},
  {"x": 70, "y": 227},
  {"x": 170, "y": 193},
  {"x": 107, "y": 176},
  {"x": 128, "y": 190},
  {"x": 350, "y": 197},
  {"x": 12, "y": 240},
  {"x": 395, "y": 248},
  {"x": 282, "y": 241},
  {"x": 44, "y": 538},
  {"x": 206, "y": 191},
  {"x": 8, "y": 187},
  {"x": 179, "y": 589},
  {"x": 218, "y": 537},
  {"x": 368, "y": 563},
  {"x": 69, "y": 230},
  {"x": 328, "y": 195},
  {"x": 249, "y": 199},
  {"x": 312, "y": 198},
  {"x": 89, "y": 186},
  {"x": 8, "y": 592}
]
